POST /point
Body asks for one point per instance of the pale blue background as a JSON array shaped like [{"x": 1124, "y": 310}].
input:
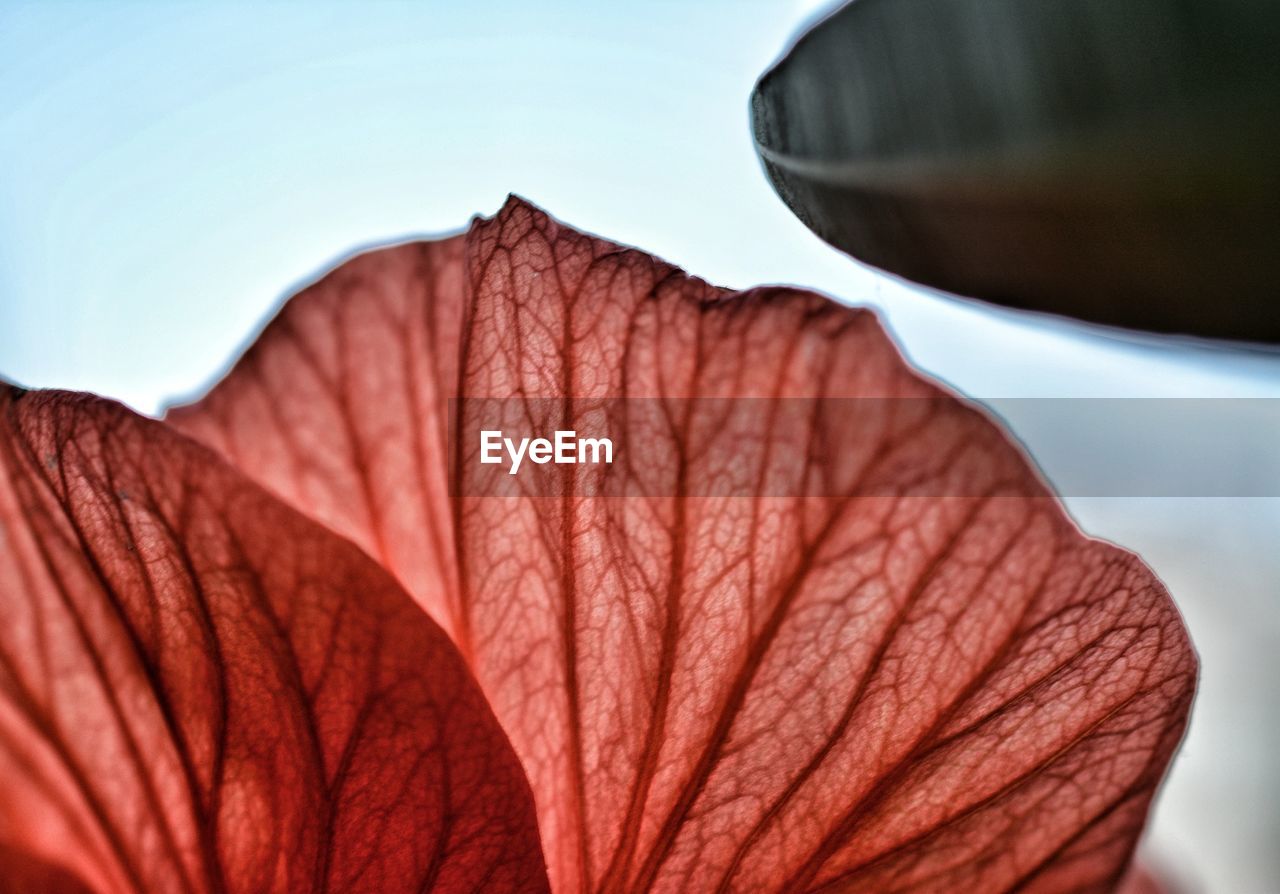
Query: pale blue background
[{"x": 169, "y": 170}]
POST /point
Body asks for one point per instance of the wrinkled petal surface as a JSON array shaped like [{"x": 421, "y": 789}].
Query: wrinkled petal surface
[
  {"x": 914, "y": 675},
  {"x": 201, "y": 690},
  {"x": 25, "y": 873}
]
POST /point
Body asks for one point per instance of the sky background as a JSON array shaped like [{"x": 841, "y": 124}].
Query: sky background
[{"x": 170, "y": 171}]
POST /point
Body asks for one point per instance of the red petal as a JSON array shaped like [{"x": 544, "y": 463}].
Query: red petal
[
  {"x": 24, "y": 873},
  {"x": 201, "y": 690},
  {"x": 940, "y": 686}
]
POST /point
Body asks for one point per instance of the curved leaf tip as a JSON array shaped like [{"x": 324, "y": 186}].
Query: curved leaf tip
[{"x": 1104, "y": 161}]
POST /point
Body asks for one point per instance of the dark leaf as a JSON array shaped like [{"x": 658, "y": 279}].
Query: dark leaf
[{"x": 1112, "y": 161}]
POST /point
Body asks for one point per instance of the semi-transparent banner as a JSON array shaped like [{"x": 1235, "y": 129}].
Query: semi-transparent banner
[{"x": 863, "y": 447}]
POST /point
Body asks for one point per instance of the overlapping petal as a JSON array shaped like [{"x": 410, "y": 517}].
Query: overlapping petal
[
  {"x": 201, "y": 690},
  {"x": 906, "y": 670}
]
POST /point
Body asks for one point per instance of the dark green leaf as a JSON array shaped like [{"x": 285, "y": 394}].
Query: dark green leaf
[{"x": 1113, "y": 160}]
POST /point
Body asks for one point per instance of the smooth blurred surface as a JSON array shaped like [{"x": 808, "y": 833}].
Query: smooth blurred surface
[
  {"x": 963, "y": 145},
  {"x": 169, "y": 172}
]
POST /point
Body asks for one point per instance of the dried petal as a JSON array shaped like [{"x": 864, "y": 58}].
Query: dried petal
[
  {"x": 202, "y": 690},
  {"x": 903, "y": 669}
]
